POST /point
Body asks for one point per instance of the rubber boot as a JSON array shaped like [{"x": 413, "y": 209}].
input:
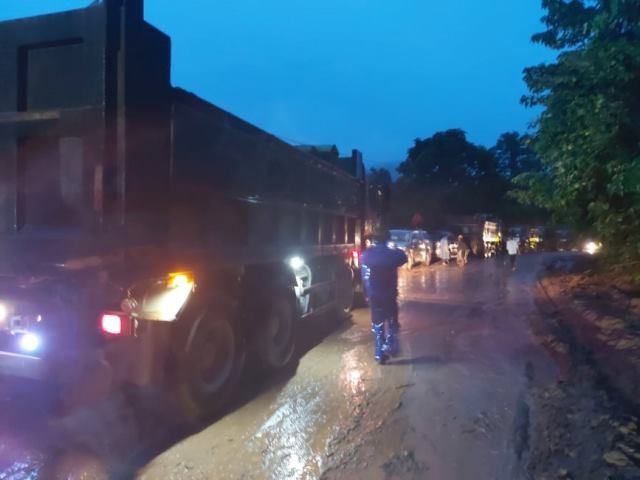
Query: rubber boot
[
  {"x": 378, "y": 334},
  {"x": 391, "y": 346}
]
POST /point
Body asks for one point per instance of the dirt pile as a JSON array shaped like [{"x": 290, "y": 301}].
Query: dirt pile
[
  {"x": 586, "y": 426},
  {"x": 578, "y": 432},
  {"x": 602, "y": 312}
]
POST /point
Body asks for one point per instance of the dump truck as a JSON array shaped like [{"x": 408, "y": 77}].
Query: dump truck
[
  {"x": 481, "y": 231},
  {"x": 491, "y": 238},
  {"x": 146, "y": 235}
]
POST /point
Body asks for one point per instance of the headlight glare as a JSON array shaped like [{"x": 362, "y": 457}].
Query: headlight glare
[
  {"x": 592, "y": 247},
  {"x": 29, "y": 342},
  {"x": 296, "y": 263}
]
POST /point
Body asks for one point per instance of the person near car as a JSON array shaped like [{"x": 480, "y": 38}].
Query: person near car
[
  {"x": 463, "y": 251},
  {"x": 380, "y": 278},
  {"x": 445, "y": 255},
  {"x": 513, "y": 249}
]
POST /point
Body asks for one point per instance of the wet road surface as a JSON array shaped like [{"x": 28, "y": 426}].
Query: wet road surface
[
  {"x": 450, "y": 407},
  {"x": 467, "y": 339}
]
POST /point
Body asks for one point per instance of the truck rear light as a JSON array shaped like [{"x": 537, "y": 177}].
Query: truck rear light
[{"x": 115, "y": 323}]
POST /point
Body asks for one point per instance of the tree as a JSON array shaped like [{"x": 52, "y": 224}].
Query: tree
[
  {"x": 379, "y": 177},
  {"x": 588, "y": 135},
  {"x": 446, "y": 158},
  {"x": 514, "y": 155},
  {"x": 452, "y": 175}
]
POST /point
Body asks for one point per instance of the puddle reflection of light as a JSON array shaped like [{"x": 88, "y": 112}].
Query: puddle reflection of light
[
  {"x": 20, "y": 470},
  {"x": 439, "y": 280},
  {"x": 287, "y": 435},
  {"x": 352, "y": 377}
]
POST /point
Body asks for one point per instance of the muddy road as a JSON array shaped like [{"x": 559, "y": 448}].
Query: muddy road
[{"x": 450, "y": 407}]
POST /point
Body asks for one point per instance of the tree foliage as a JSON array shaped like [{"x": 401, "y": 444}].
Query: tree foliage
[
  {"x": 514, "y": 156},
  {"x": 446, "y": 174},
  {"x": 447, "y": 158},
  {"x": 588, "y": 135},
  {"x": 379, "y": 177}
]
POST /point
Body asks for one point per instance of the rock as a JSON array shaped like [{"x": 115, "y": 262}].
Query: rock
[
  {"x": 611, "y": 323},
  {"x": 629, "y": 451},
  {"x": 627, "y": 343},
  {"x": 628, "y": 428},
  {"x": 616, "y": 458}
]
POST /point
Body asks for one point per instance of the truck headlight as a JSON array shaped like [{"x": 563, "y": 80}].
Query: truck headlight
[
  {"x": 4, "y": 312},
  {"x": 159, "y": 299},
  {"x": 29, "y": 342}
]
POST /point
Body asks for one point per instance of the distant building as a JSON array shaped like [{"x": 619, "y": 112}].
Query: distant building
[{"x": 330, "y": 153}]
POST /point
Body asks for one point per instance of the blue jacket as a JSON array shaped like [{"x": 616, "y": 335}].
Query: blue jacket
[{"x": 380, "y": 271}]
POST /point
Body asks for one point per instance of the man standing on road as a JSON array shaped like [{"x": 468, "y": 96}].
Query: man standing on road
[
  {"x": 444, "y": 250},
  {"x": 513, "y": 249},
  {"x": 380, "y": 277},
  {"x": 463, "y": 251}
]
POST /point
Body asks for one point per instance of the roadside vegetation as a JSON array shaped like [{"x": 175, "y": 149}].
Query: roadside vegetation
[
  {"x": 578, "y": 166},
  {"x": 446, "y": 174},
  {"x": 588, "y": 134}
]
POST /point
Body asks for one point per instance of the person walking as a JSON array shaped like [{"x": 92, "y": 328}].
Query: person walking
[
  {"x": 445, "y": 255},
  {"x": 463, "y": 251},
  {"x": 380, "y": 278},
  {"x": 513, "y": 249}
]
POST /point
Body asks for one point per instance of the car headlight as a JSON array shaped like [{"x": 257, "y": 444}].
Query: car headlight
[{"x": 592, "y": 247}]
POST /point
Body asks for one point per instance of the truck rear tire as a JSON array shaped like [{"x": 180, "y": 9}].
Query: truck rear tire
[
  {"x": 208, "y": 364},
  {"x": 345, "y": 289},
  {"x": 360, "y": 300},
  {"x": 275, "y": 338}
]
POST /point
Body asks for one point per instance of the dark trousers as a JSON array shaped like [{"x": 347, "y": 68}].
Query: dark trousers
[
  {"x": 384, "y": 311},
  {"x": 384, "y": 320},
  {"x": 512, "y": 259}
]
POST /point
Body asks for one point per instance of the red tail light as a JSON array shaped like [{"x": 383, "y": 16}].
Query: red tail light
[
  {"x": 355, "y": 256},
  {"x": 115, "y": 323}
]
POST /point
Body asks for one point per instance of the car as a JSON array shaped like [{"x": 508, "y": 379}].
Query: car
[{"x": 416, "y": 244}]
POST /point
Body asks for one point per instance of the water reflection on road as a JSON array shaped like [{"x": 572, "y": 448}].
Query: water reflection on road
[
  {"x": 292, "y": 430},
  {"x": 463, "y": 335}
]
